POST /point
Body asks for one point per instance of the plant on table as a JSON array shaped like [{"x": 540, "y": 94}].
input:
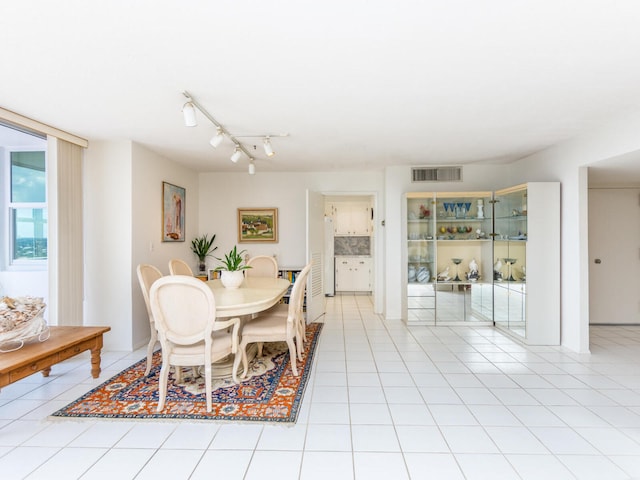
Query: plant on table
[
  {"x": 232, "y": 268},
  {"x": 232, "y": 261},
  {"x": 202, "y": 247}
]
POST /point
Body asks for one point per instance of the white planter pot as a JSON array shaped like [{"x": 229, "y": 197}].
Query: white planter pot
[{"x": 231, "y": 279}]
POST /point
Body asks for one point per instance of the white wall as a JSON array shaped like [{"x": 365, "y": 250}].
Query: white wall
[
  {"x": 567, "y": 163},
  {"x": 123, "y": 204},
  {"x": 221, "y": 194},
  {"x": 149, "y": 171},
  {"x": 397, "y": 183}
]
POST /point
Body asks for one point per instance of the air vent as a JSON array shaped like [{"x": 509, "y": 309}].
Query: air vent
[{"x": 436, "y": 174}]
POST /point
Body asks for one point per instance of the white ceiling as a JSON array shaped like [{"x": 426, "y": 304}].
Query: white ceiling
[{"x": 357, "y": 84}]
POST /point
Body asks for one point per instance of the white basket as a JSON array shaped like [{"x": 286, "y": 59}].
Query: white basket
[{"x": 21, "y": 320}]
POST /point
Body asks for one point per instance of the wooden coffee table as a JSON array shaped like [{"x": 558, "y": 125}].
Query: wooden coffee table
[{"x": 64, "y": 343}]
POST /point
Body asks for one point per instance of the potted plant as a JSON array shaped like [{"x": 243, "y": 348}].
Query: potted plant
[
  {"x": 231, "y": 270},
  {"x": 202, "y": 247}
]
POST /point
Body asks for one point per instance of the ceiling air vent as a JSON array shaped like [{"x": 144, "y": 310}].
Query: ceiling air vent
[{"x": 436, "y": 174}]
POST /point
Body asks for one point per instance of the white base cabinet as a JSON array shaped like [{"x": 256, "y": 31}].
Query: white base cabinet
[{"x": 353, "y": 274}]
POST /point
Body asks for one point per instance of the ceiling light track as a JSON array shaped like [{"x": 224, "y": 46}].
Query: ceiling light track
[{"x": 189, "y": 112}]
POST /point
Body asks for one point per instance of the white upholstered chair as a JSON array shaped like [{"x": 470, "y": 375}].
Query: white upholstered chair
[
  {"x": 147, "y": 274},
  {"x": 179, "y": 267},
  {"x": 262, "y": 266},
  {"x": 184, "y": 310},
  {"x": 272, "y": 326},
  {"x": 282, "y": 309}
]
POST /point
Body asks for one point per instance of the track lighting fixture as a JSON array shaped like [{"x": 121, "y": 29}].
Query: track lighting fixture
[
  {"x": 189, "y": 112},
  {"x": 216, "y": 140},
  {"x": 268, "y": 149},
  {"x": 236, "y": 154}
]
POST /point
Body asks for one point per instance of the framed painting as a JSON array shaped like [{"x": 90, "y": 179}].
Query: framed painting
[
  {"x": 257, "y": 225},
  {"x": 173, "y": 209}
]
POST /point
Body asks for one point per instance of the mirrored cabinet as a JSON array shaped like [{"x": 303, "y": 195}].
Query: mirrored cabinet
[
  {"x": 449, "y": 258},
  {"x": 466, "y": 260},
  {"x": 526, "y": 251}
]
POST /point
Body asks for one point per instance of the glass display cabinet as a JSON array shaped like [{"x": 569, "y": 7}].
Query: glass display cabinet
[
  {"x": 420, "y": 259},
  {"x": 449, "y": 257},
  {"x": 526, "y": 294},
  {"x": 464, "y": 228},
  {"x": 509, "y": 272},
  {"x": 468, "y": 257}
]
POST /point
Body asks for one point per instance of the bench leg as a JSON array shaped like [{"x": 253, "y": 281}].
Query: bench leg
[{"x": 46, "y": 372}]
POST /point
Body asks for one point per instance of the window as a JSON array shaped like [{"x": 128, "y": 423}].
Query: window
[{"x": 27, "y": 207}]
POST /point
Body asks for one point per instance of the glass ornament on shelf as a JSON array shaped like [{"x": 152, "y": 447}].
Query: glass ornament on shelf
[{"x": 456, "y": 262}]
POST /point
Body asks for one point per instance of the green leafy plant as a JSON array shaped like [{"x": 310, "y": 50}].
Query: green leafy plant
[
  {"x": 232, "y": 261},
  {"x": 202, "y": 247}
]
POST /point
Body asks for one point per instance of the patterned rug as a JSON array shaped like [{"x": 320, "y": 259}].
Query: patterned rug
[{"x": 270, "y": 393}]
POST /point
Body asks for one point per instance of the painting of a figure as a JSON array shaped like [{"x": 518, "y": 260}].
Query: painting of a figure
[{"x": 173, "y": 207}]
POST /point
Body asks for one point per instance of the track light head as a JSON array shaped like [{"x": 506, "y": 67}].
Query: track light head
[
  {"x": 268, "y": 149},
  {"x": 189, "y": 112},
  {"x": 252, "y": 167},
  {"x": 236, "y": 154},
  {"x": 216, "y": 140}
]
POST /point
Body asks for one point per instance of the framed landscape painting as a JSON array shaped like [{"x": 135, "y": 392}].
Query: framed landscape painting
[
  {"x": 173, "y": 207},
  {"x": 257, "y": 225}
]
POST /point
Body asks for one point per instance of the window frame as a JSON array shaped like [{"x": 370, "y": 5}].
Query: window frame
[{"x": 9, "y": 208}]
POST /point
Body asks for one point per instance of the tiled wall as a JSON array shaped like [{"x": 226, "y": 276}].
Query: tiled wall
[{"x": 352, "y": 246}]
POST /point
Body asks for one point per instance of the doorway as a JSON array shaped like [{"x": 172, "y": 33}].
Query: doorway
[
  {"x": 614, "y": 256},
  {"x": 349, "y": 244}
]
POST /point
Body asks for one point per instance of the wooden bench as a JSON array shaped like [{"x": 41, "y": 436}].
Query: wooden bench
[{"x": 64, "y": 343}]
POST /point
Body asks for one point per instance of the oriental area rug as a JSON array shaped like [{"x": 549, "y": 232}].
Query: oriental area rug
[{"x": 270, "y": 393}]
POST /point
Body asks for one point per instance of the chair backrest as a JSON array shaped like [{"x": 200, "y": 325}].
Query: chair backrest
[
  {"x": 296, "y": 299},
  {"x": 262, "y": 266},
  {"x": 184, "y": 309},
  {"x": 179, "y": 267},
  {"x": 147, "y": 275}
]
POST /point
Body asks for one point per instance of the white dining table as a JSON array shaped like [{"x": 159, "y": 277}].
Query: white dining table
[{"x": 254, "y": 295}]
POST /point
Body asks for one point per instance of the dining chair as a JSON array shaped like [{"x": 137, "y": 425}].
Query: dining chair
[
  {"x": 184, "y": 310},
  {"x": 282, "y": 309},
  {"x": 274, "y": 327},
  {"x": 147, "y": 275},
  {"x": 179, "y": 267},
  {"x": 262, "y": 266}
]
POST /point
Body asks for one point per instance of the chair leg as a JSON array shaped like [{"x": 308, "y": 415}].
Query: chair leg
[
  {"x": 292, "y": 356},
  {"x": 208, "y": 386},
  {"x": 236, "y": 364},
  {"x": 245, "y": 362},
  {"x": 162, "y": 385},
  {"x": 302, "y": 327},
  {"x": 152, "y": 343},
  {"x": 260, "y": 345}
]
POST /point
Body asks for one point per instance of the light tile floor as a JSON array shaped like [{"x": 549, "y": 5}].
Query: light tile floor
[{"x": 384, "y": 402}]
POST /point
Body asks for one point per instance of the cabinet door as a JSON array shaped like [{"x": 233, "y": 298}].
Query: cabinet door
[
  {"x": 361, "y": 274},
  {"x": 342, "y": 218},
  {"x": 361, "y": 219},
  {"x": 352, "y": 219},
  {"x": 344, "y": 278}
]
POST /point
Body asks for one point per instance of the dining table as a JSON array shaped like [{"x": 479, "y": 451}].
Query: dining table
[{"x": 255, "y": 295}]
